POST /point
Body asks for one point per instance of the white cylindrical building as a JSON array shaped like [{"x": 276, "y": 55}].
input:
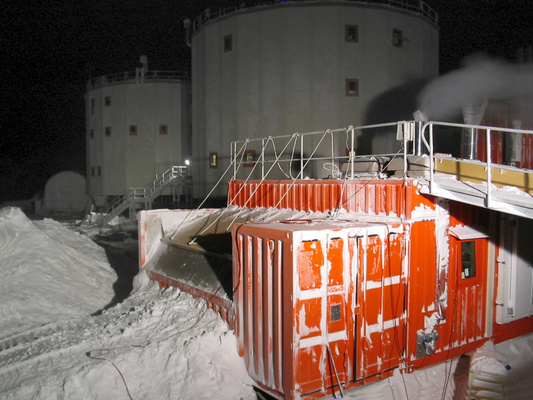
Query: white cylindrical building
[
  {"x": 297, "y": 66},
  {"x": 138, "y": 125}
]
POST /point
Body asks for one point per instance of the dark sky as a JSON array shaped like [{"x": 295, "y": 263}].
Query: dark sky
[{"x": 51, "y": 48}]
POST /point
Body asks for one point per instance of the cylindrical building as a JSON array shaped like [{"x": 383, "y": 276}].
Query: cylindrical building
[
  {"x": 138, "y": 125},
  {"x": 297, "y": 66}
]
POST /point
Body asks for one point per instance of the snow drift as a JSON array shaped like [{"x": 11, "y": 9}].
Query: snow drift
[{"x": 48, "y": 271}]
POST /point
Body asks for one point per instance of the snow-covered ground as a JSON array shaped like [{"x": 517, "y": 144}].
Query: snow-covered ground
[{"x": 61, "y": 339}]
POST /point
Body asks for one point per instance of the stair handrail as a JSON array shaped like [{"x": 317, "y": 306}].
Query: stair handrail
[{"x": 146, "y": 193}]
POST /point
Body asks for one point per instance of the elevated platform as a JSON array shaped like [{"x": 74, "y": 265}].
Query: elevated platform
[{"x": 510, "y": 189}]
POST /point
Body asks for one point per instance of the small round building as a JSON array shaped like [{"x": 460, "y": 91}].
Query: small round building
[
  {"x": 138, "y": 124},
  {"x": 298, "y": 66}
]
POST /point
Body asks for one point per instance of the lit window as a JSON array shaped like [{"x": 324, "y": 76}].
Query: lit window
[
  {"x": 107, "y": 101},
  {"x": 107, "y": 131},
  {"x": 133, "y": 130},
  {"x": 213, "y": 159},
  {"x": 351, "y": 33},
  {"x": 248, "y": 158},
  {"x": 352, "y": 87},
  {"x": 468, "y": 260},
  {"x": 163, "y": 129},
  {"x": 228, "y": 43},
  {"x": 397, "y": 38},
  {"x": 92, "y": 107}
]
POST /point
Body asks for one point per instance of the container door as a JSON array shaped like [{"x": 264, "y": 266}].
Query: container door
[
  {"x": 321, "y": 316},
  {"x": 468, "y": 262},
  {"x": 381, "y": 304}
]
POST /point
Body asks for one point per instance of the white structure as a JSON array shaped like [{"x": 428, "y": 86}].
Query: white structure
[
  {"x": 292, "y": 66},
  {"x": 138, "y": 125},
  {"x": 65, "y": 194}
]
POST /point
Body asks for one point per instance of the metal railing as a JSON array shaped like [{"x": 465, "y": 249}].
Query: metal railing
[
  {"x": 416, "y": 6},
  {"x": 136, "y": 77},
  {"x": 145, "y": 194},
  {"x": 428, "y": 142},
  {"x": 333, "y": 149}
]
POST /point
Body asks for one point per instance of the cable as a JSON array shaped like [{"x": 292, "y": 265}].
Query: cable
[{"x": 105, "y": 351}]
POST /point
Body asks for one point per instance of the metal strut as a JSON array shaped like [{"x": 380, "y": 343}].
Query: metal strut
[{"x": 335, "y": 370}]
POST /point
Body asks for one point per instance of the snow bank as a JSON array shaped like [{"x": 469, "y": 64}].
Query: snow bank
[{"x": 48, "y": 271}]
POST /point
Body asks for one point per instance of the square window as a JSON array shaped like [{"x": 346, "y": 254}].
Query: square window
[
  {"x": 133, "y": 130},
  {"x": 248, "y": 158},
  {"x": 107, "y": 131},
  {"x": 163, "y": 129},
  {"x": 352, "y": 87},
  {"x": 228, "y": 43},
  {"x": 397, "y": 38},
  {"x": 351, "y": 33},
  {"x": 107, "y": 101},
  {"x": 213, "y": 159}
]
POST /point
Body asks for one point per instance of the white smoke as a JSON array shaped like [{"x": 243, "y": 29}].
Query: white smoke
[{"x": 480, "y": 80}]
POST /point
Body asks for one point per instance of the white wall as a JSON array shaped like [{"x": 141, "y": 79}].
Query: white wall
[
  {"x": 133, "y": 161},
  {"x": 287, "y": 70}
]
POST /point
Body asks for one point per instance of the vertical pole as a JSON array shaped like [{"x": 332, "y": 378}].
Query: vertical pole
[{"x": 489, "y": 170}]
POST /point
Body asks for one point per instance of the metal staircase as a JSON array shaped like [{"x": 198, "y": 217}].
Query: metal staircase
[{"x": 146, "y": 195}]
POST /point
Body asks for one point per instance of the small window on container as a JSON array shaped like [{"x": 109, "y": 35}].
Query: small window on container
[
  {"x": 213, "y": 159},
  {"x": 133, "y": 130},
  {"x": 107, "y": 101},
  {"x": 163, "y": 129},
  {"x": 248, "y": 158},
  {"x": 468, "y": 260},
  {"x": 352, "y": 87},
  {"x": 228, "y": 43},
  {"x": 397, "y": 38},
  {"x": 351, "y": 33},
  {"x": 107, "y": 131}
]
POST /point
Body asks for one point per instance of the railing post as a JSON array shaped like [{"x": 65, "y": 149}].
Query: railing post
[
  {"x": 301, "y": 157},
  {"x": 352, "y": 152},
  {"x": 489, "y": 170},
  {"x": 262, "y": 159},
  {"x": 431, "y": 160}
]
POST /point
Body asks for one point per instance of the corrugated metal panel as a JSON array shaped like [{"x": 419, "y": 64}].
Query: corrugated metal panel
[
  {"x": 258, "y": 295},
  {"x": 379, "y": 197}
]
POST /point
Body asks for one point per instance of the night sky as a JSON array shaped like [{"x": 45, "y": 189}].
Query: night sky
[{"x": 51, "y": 49}]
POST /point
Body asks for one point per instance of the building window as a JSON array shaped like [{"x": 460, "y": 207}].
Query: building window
[
  {"x": 248, "y": 158},
  {"x": 213, "y": 159},
  {"x": 352, "y": 87},
  {"x": 351, "y": 33},
  {"x": 99, "y": 171},
  {"x": 92, "y": 107},
  {"x": 228, "y": 43},
  {"x": 397, "y": 38},
  {"x": 107, "y": 131},
  {"x": 133, "y": 130},
  {"x": 92, "y": 171},
  {"x": 91, "y": 133},
  {"x": 163, "y": 129},
  {"x": 107, "y": 101},
  {"x": 468, "y": 260}
]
